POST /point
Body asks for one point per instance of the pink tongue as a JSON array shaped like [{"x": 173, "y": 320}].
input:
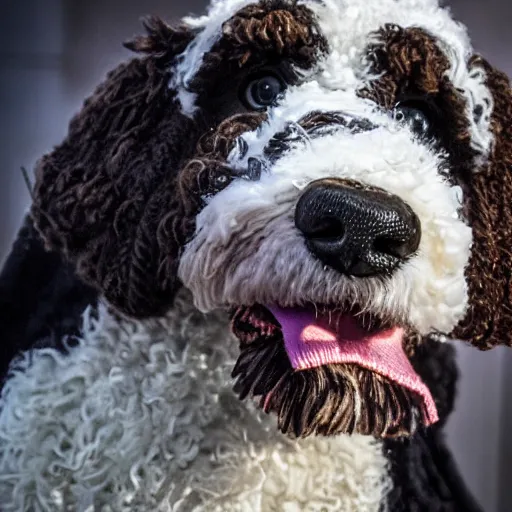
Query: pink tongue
[{"x": 311, "y": 342}]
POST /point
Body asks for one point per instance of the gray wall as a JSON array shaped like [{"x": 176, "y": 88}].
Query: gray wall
[
  {"x": 52, "y": 52},
  {"x": 31, "y": 106}
]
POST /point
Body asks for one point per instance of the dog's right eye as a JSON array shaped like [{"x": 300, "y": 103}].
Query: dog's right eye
[
  {"x": 262, "y": 92},
  {"x": 418, "y": 115}
]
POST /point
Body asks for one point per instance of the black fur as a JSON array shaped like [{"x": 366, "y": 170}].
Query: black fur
[
  {"x": 41, "y": 299},
  {"x": 425, "y": 476},
  {"x": 424, "y": 473}
]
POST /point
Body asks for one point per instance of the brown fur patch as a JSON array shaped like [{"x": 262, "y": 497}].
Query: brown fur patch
[
  {"x": 100, "y": 196},
  {"x": 206, "y": 174},
  {"x": 162, "y": 41},
  {"x": 107, "y": 197},
  {"x": 488, "y": 207},
  {"x": 262, "y": 34},
  {"x": 413, "y": 66}
]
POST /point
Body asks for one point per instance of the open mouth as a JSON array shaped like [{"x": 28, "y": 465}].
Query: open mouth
[{"x": 327, "y": 370}]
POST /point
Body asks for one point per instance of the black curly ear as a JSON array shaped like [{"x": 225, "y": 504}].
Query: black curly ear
[
  {"x": 101, "y": 195},
  {"x": 488, "y": 207}
]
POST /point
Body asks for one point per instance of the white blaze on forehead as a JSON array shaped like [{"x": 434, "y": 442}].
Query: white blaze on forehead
[
  {"x": 347, "y": 25},
  {"x": 300, "y": 101}
]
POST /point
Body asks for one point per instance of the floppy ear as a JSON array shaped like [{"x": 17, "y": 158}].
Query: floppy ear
[
  {"x": 488, "y": 208},
  {"x": 101, "y": 196}
]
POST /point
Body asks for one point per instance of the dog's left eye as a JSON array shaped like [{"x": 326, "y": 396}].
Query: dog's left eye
[
  {"x": 262, "y": 92},
  {"x": 417, "y": 116}
]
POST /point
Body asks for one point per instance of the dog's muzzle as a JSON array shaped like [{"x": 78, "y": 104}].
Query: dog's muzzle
[{"x": 355, "y": 229}]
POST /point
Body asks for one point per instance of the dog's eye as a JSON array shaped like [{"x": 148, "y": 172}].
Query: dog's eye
[
  {"x": 417, "y": 116},
  {"x": 262, "y": 92}
]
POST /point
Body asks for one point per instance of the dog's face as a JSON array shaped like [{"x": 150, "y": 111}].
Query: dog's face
[{"x": 336, "y": 174}]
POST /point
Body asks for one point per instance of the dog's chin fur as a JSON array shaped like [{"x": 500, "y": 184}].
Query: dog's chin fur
[{"x": 328, "y": 400}]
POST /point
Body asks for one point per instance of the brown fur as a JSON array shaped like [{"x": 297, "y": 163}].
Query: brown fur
[
  {"x": 319, "y": 401},
  {"x": 260, "y": 34},
  {"x": 414, "y": 66},
  {"x": 488, "y": 208},
  {"x": 101, "y": 195},
  {"x": 161, "y": 41},
  {"x": 107, "y": 197}
]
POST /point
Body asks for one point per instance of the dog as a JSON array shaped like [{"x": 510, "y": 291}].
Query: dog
[{"x": 240, "y": 268}]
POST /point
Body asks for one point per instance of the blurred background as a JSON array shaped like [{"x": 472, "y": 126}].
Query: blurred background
[{"x": 52, "y": 54}]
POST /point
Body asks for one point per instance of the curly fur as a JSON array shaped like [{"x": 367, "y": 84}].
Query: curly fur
[
  {"x": 135, "y": 269},
  {"x": 169, "y": 190},
  {"x": 96, "y": 196},
  {"x": 142, "y": 416},
  {"x": 489, "y": 211}
]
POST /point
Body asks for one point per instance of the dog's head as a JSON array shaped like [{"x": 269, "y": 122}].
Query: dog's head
[{"x": 334, "y": 173}]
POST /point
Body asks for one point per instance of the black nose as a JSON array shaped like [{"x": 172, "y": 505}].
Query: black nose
[{"x": 357, "y": 230}]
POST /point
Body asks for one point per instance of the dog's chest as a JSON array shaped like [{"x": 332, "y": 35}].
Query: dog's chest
[{"x": 142, "y": 416}]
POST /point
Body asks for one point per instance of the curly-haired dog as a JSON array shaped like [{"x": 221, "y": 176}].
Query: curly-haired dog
[{"x": 329, "y": 181}]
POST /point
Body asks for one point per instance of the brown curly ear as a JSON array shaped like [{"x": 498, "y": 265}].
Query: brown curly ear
[
  {"x": 100, "y": 196},
  {"x": 488, "y": 209},
  {"x": 161, "y": 40}
]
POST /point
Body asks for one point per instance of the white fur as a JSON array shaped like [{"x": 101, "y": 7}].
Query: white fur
[
  {"x": 347, "y": 25},
  {"x": 189, "y": 62},
  {"x": 141, "y": 417},
  {"x": 247, "y": 250}
]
